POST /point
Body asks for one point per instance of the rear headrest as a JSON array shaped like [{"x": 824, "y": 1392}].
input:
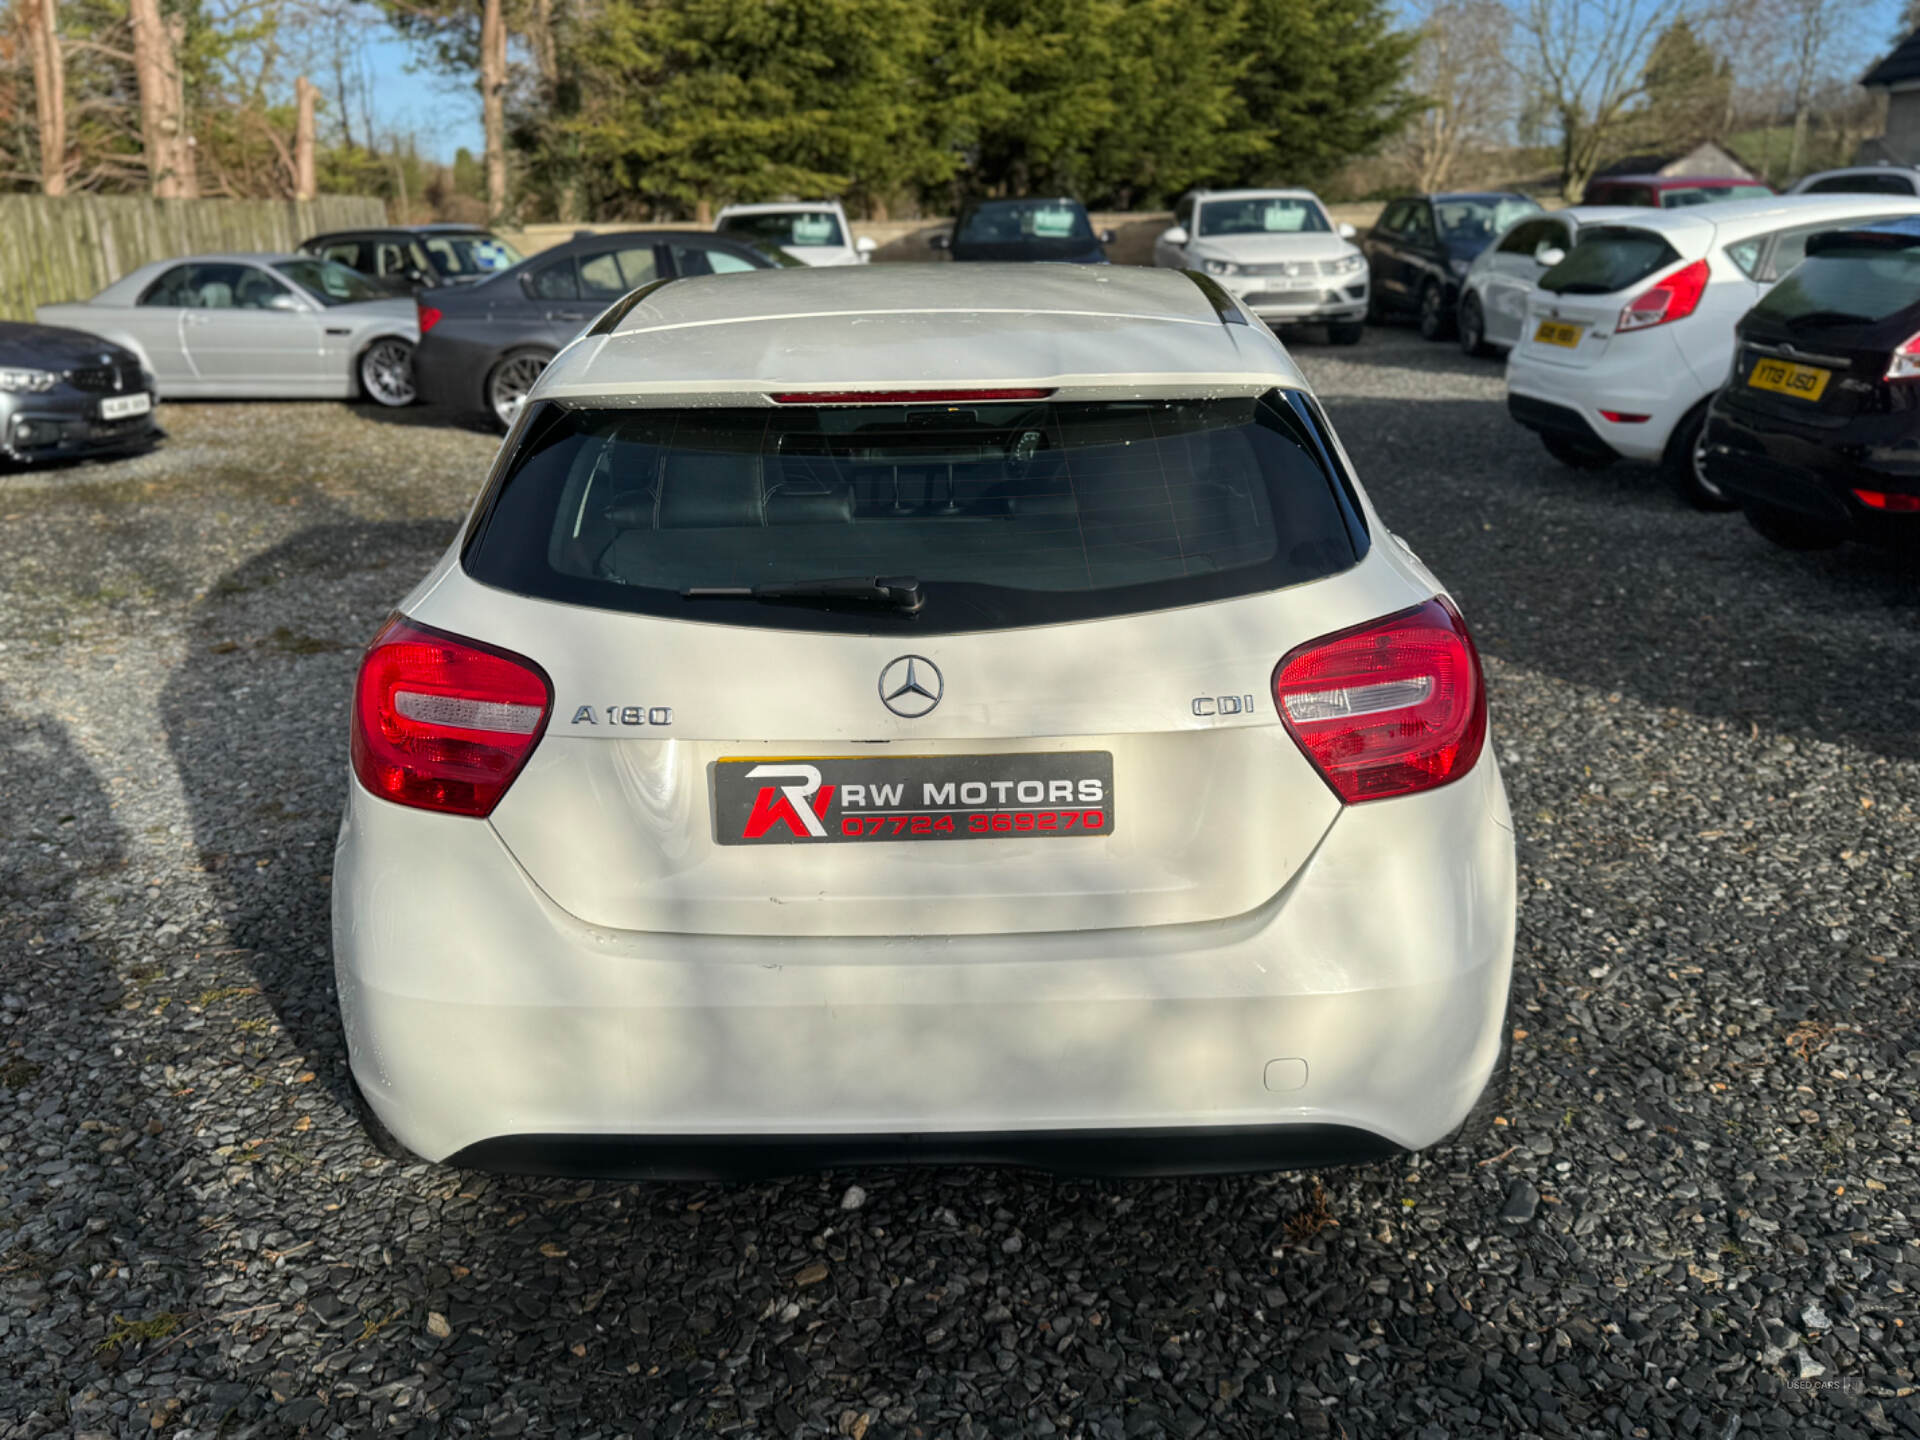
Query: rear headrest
[{"x": 703, "y": 489}]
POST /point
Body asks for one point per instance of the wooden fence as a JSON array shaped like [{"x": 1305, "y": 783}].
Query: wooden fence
[{"x": 74, "y": 246}]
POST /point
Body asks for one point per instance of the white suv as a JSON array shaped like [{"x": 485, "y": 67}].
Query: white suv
[
  {"x": 814, "y": 232},
  {"x": 1278, "y": 252},
  {"x": 1628, "y": 338},
  {"x": 949, "y": 712}
]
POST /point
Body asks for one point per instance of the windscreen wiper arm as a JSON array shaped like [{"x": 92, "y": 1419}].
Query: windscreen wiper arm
[{"x": 902, "y": 592}]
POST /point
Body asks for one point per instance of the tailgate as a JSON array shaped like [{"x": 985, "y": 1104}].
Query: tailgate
[{"x": 1117, "y": 773}]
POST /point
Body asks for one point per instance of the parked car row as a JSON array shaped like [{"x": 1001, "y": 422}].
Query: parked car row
[{"x": 1760, "y": 353}]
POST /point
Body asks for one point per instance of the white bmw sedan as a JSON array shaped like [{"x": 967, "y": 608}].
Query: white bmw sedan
[{"x": 947, "y": 713}]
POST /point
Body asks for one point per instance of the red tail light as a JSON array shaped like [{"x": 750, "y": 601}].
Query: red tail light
[
  {"x": 1889, "y": 500},
  {"x": 442, "y": 723},
  {"x": 1674, "y": 298},
  {"x": 429, "y": 317},
  {"x": 1389, "y": 707}
]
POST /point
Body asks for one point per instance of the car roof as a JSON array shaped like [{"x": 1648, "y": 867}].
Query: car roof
[
  {"x": 774, "y": 207},
  {"x": 916, "y": 326},
  {"x": 1277, "y": 192},
  {"x": 1676, "y": 182},
  {"x": 1769, "y": 212}
]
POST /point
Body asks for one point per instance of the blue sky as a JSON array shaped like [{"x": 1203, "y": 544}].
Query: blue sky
[{"x": 444, "y": 115}]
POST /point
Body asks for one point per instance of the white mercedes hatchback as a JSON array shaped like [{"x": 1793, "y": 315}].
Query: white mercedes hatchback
[{"x": 925, "y": 713}]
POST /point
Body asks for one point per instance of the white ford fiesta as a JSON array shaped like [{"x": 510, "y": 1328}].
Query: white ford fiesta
[{"x": 953, "y": 713}]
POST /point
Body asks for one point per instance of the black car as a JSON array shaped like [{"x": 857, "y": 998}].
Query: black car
[
  {"x": 65, "y": 393},
  {"x": 1049, "y": 229},
  {"x": 1817, "y": 432},
  {"x": 1421, "y": 248},
  {"x": 406, "y": 258},
  {"x": 483, "y": 345}
]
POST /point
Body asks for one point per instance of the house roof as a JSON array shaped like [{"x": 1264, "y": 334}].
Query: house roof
[{"x": 1902, "y": 64}]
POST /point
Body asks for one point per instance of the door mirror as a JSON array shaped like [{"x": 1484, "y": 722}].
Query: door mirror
[
  {"x": 282, "y": 301},
  {"x": 1347, "y": 232},
  {"x": 866, "y": 245},
  {"x": 1549, "y": 256},
  {"x": 942, "y": 241},
  {"x": 1107, "y": 237},
  {"x": 1176, "y": 236}
]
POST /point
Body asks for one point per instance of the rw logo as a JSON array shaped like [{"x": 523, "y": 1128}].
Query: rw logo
[{"x": 800, "y": 805}]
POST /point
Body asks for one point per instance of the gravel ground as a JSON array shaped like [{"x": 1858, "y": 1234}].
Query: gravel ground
[{"x": 1697, "y": 1220}]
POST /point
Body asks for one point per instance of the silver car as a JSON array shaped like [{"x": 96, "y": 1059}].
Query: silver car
[
  {"x": 256, "y": 327},
  {"x": 1493, "y": 296}
]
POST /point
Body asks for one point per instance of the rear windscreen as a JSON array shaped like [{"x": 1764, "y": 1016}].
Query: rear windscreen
[
  {"x": 1846, "y": 283},
  {"x": 1608, "y": 258},
  {"x": 1005, "y": 513}
]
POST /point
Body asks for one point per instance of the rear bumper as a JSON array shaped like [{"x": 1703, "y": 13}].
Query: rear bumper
[
  {"x": 1647, "y": 379},
  {"x": 1767, "y": 461},
  {"x": 1357, "y": 1012},
  {"x": 1167, "y": 1151}
]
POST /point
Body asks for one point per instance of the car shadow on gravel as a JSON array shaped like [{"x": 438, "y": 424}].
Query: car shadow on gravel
[
  {"x": 97, "y": 1235},
  {"x": 257, "y": 722},
  {"x": 1605, "y": 579}
]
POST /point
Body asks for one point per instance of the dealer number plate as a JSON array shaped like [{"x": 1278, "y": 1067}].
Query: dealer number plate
[
  {"x": 121, "y": 407},
  {"x": 1803, "y": 382},
  {"x": 859, "y": 799},
  {"x": 1559, "y": 332}
]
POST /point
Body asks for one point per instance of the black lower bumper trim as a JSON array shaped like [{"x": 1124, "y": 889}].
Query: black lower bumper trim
[
  {"x": 1548, "y": 418},
  {"x": 1148, "y": 1152}
]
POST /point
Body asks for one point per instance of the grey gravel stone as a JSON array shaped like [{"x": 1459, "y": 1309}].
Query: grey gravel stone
[{"x": 1714, "y": 771}]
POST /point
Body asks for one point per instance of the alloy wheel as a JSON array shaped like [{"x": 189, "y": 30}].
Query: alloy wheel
[
  {"x": 386, "y": 372},
  {"x": 507, "y": 391}
]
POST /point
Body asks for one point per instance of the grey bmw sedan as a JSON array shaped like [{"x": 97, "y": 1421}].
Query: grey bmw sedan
[{"x": 65, "y": 394}]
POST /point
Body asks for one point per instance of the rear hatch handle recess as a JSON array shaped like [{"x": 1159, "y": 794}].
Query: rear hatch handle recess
[{"x": 900, "y": 592}]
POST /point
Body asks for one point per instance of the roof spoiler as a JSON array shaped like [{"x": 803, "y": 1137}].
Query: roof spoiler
[
  {"x": 1222, "y": 303},
  {"x": 611, "y": 317}
]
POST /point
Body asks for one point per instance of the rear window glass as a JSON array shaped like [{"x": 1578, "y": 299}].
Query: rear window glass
[
  {"x": 1006, "y": 513},
  {"x": 1608, "y": 258},
  {"x": 1846, "y": 283},
  {"x": 1708, "y": 194}
]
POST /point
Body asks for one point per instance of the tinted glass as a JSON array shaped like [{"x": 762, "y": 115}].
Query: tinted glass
[
  {"x": 600, "y": 277},
  {"x": 1869, "y": 184},
  {"x": 1608, "y": 258},
  {"x": 1524, "y": 239},
  {"x": 462, "y": 255},
  {"x": 1007, "y": 222},
  {"x": 1419, "y": 227},
  {"x": 329, "y": 283},
  {"x": 788, "y": 227},
  {"x": 1476, "y": 222},
  {"x": 1846, "y": 283},
  {"x": 1008, "y": 513},
  {"x": 554, "y": 282},
  {"x": 1394, "y": 218},
  {"x": 709, "y": 260},
  {"x": 1261, "y": 216},
  {"x": 1708, "y": 194}
]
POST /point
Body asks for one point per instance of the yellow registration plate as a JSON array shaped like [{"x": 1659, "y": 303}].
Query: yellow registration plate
[
  {"x": 1559, "y": 332},
  {"x": 1803, "y": 382}
]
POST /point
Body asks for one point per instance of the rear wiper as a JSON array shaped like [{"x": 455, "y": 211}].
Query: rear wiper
[{"x": 902, "y": 592}]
